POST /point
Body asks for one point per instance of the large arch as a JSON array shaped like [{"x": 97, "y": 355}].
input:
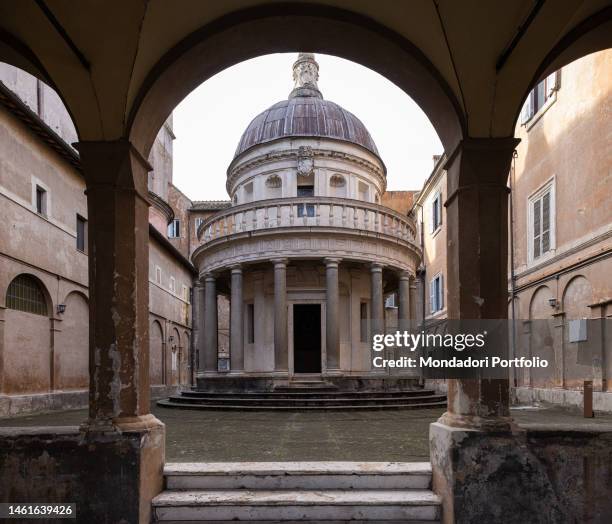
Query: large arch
[{"x": 258, "y": 31}]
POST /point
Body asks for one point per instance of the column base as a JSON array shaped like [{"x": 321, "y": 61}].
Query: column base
[
  {"x": 483, "y": 476},
  {"x": 495, "y": 424}
]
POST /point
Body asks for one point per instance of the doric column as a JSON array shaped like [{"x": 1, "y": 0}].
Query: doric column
[
  {"x": 236, "y": 321},
  {"x": 403, "y": 312},
  {"x": 377, "y": 298},
  {"x": 211, "y": 324},
  {"x": 197, "y": 334},
  {"x": 332, "y": 319},
  {"x": 413, "y": 303},
  {"x": 477, "y": 266},
  {"x": 280, "y": 314}
]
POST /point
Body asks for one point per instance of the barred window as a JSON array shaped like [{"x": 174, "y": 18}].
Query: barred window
[{"x": 25, "y": 294}]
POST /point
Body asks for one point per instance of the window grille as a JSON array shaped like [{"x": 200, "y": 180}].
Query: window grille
[{"x": 25, "y": 294}]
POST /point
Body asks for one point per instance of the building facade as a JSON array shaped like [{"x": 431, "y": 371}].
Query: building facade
[
  {"x": 44, "y": 312},
  {"x": 560, "y": 251},
  {"x": 306, "y": 253}
]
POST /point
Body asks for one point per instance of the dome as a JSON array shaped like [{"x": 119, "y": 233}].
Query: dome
[{"x": 305, "y": 114}]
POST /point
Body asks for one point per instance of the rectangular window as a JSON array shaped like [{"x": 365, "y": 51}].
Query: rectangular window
[
  {"x": 198, "y": 222},
  {"x": 305, "y": 210},
  {"x": 158, "y": 275},
  {"x": 541, "y": 222},
  {"x": 250, "y": 314},
  {"x": 363, "y": 322},
  {"x": 172, "y": 285},
  {"x": 390, "y": 301},
  {"x": 41, "y": 201},
  {"x": 81, "y": 231},
  {"x": 539, "y": 97},
  {"x": 174, "y": 229},
  {"x": 436, "y": 293},
  {"x": 185, "y": 293},
  {"x": 436, "y": 212}
]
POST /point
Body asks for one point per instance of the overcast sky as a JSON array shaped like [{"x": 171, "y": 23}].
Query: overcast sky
[{"x": 209, "y": 122}]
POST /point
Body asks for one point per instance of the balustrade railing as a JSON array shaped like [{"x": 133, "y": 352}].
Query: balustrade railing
[{"x": 338, "y": 213}]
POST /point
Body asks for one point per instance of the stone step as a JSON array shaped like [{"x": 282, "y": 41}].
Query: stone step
[
  {"x": 310, "y": 394},
  {"x": 298, "y": 475},
  {"x": 324, "y": 407},
  {"x": 296, "y": 505},
  {"x": 313, "y": 401}
]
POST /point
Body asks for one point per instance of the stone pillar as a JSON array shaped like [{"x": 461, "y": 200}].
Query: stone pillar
[
  {"x": 377, "y": 306},
  {"x": 477, "y": 266},
  {"x": 119, "y": 392},
  {"x": 332, "y": 318},
  {"x": 236, "y": 321},
  {"x": 118, "y": 219},
  {"x": 414, "y": 315},
  {"x": 403, "y": 312},
  {"x": 477, "y": 426},
  {"x": 197, "y": 334},
  {"x": 211, "y": 324},
  {"x": 280, "y": 314}
]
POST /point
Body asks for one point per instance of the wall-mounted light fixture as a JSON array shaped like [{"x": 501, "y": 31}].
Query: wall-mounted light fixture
[
  {"x": 61, "y": 308},
  {"x": 552, "y": 302},
  {"x": 171, "y": 338}
]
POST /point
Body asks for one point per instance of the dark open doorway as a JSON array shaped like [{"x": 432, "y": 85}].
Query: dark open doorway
[{"x": 307, "y": 338}]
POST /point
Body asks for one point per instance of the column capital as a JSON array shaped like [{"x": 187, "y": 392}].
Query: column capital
[
  {"x": 236, "y": 269},
  {"x": 376, "y": 267},
  {"x": 332, "y": 261},
  {"x": 209, "y": 277},
  {"x": 404, "y": 275},
  {"x": 279, "y": 261}
]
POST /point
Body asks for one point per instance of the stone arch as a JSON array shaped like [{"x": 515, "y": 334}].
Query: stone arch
[
  {"x": 156, "y": 353},
  {"x": 592, "y": 35},
  {"x": 577, "y": 295},
  {"x": 319, "y": 29},
  {"x": 539, "y": 308},
  {"x": 71, "y": 365},
  {"x": 26, "y": 344}
]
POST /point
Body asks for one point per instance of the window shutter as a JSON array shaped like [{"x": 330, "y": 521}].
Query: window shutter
[
  {"x": 528, "y": 108},
  {"x": 551, "y": 84},
  {"x": 546, "y": 223},
  {"x": 432, "y": 296},
  {"x": 537, "y": 225},
  {"x": 439, "y": 197},
  {"x": 432, "y": 217},
  {"x": 441, "y": 291}
]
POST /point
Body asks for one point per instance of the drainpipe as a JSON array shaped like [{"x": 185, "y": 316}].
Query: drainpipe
[{"x": 422, "y": 271}]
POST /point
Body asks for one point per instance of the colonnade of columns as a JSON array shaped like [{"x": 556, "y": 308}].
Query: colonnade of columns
[{"x": 208, "y": 311}]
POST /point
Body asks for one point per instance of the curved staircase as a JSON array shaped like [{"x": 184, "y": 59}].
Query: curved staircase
[{"x": 297, "y": 397}]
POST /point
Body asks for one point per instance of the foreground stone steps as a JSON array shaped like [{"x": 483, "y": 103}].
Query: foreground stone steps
[
  {"x": 408, "y": 399},
  {"x": 321, "y": 492}
]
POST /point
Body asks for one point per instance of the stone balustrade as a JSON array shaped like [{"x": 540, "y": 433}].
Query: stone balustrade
[{"x": 314, "y": 212}]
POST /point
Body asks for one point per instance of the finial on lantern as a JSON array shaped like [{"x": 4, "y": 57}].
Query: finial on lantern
[{"x": 305, "y": 76}]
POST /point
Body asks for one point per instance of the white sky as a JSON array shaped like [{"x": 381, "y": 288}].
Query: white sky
[{"x": 209, "y": 122}]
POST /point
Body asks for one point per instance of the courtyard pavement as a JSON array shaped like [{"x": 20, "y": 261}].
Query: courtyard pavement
[{"x": 203, "y": 436}]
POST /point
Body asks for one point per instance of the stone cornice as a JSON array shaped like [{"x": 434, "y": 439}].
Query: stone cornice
[
  {"x": 162, "y": 205},
  {"x": 236, "y": 170}
]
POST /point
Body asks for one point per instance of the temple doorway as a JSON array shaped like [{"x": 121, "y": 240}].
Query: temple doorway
[{"x": 307, "y": 338}]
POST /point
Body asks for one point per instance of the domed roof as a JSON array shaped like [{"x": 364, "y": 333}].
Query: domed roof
[{"x": 305, "y": 114}]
